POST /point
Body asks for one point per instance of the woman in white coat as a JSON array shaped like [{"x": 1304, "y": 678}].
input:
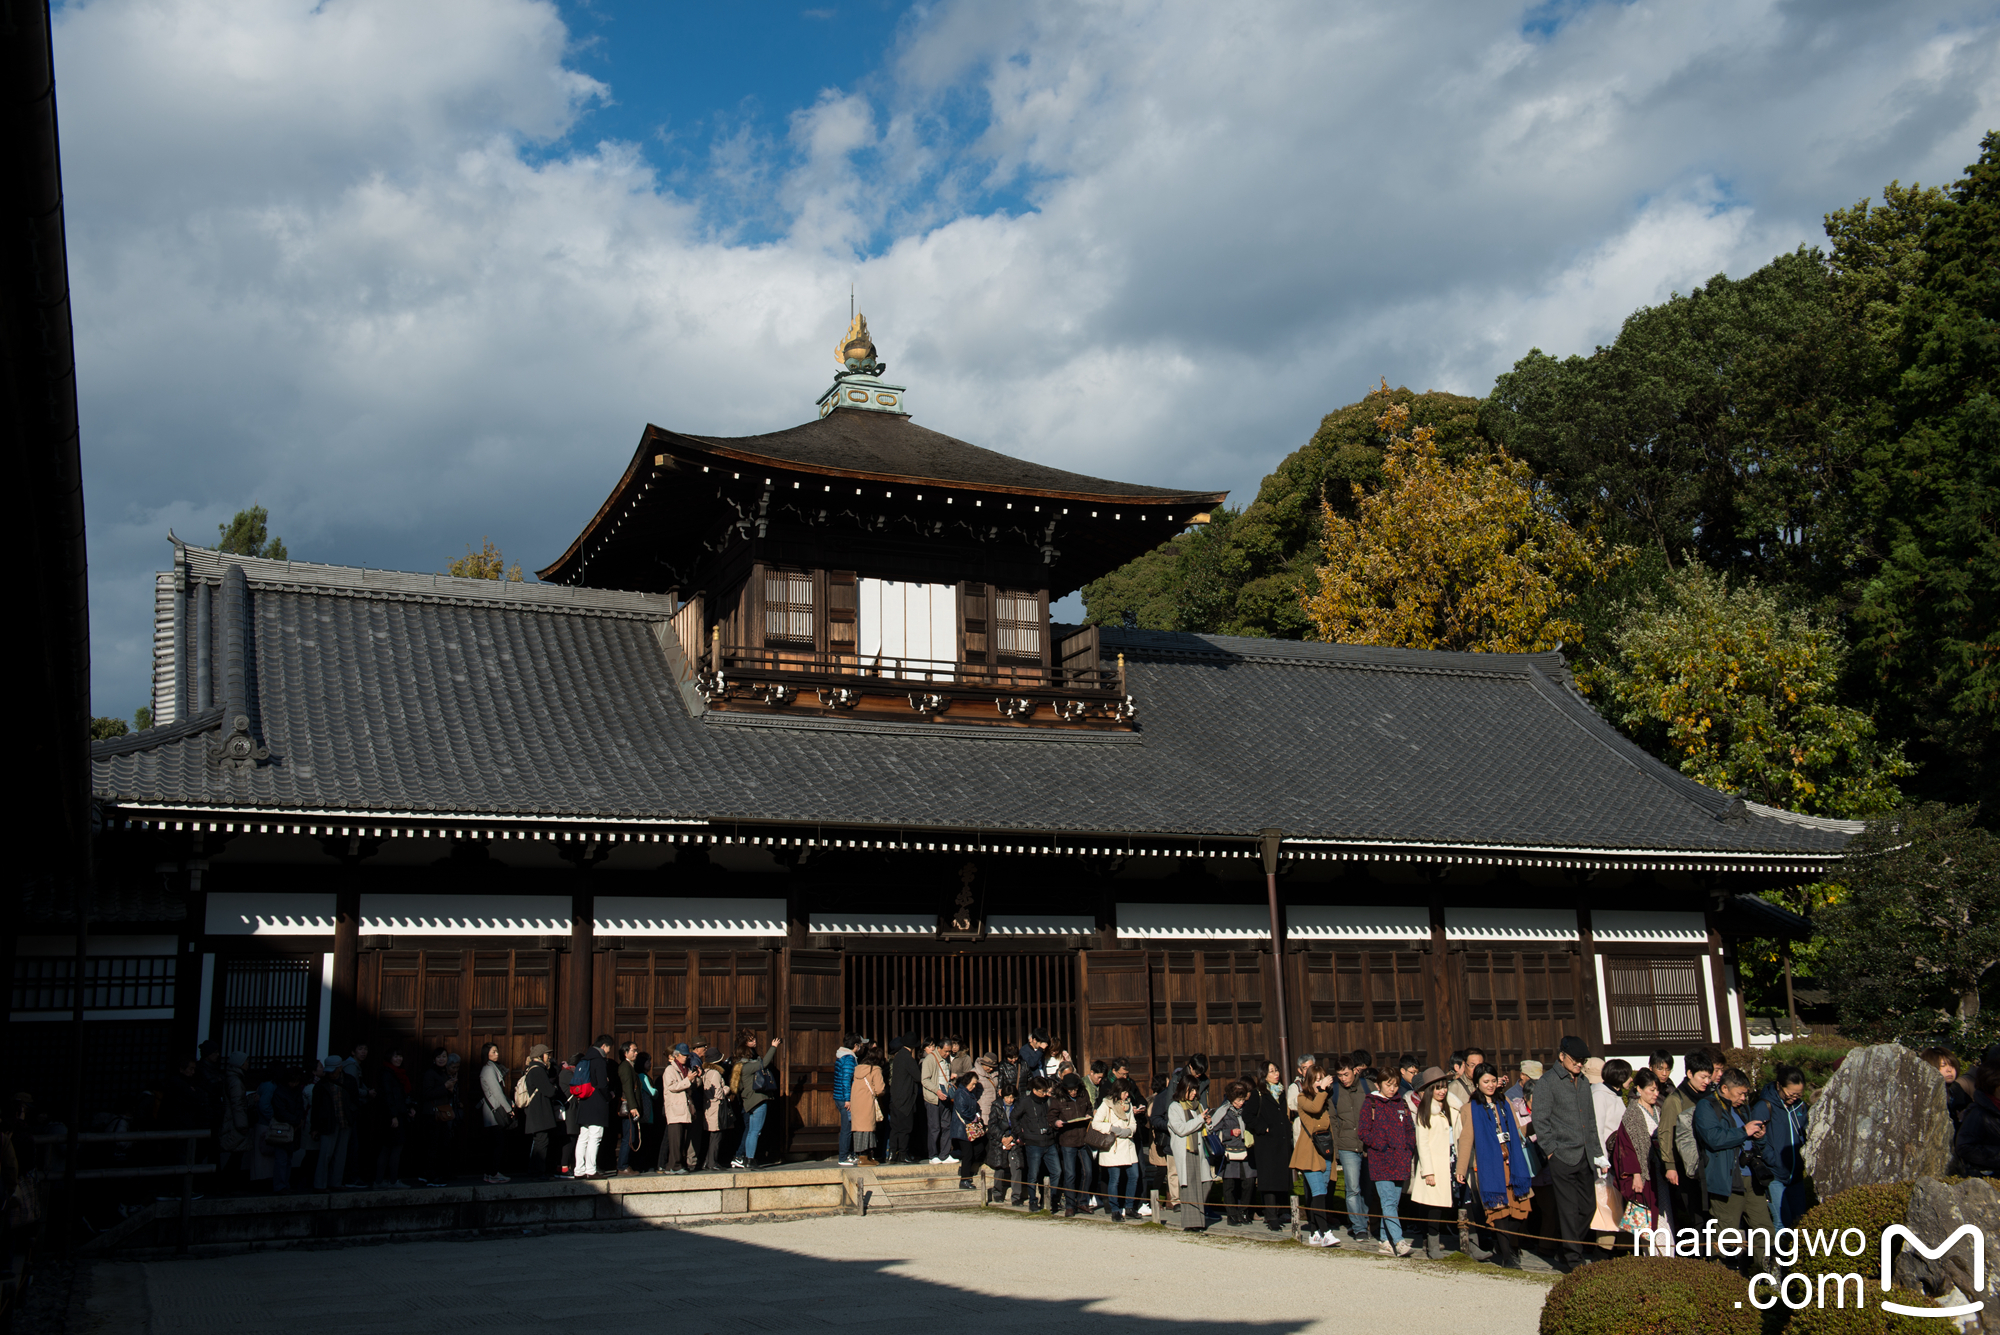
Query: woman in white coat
[
  {"x": 1430, "y": 1181},
  {"x": 1114, "y": 1118}
]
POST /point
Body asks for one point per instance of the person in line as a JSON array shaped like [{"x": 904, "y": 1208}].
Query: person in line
[
  {"x": 1070, "y": 1112},
  {"x": 864, "y": 1103},
  {"x": 968, "y": 1126},
  {"x": 1239, "y": 1174},
  {"x": 1679, "y": 1152},
  {"x": 629, "y": 1109},
  {"x": 714, "y": 1113},
  {"x": 541, "y": 1115},
  {"x": 1978, "y": 1142},
  {"x": 958, "y": 1060},
  {"x": 1566, "y": 1131},
  {"x": 752, "y": 1070},
  {"x": 1632, "y": 1156},
  {"x": 932, "y": 1090},
  {"x": 285, "y": 1130},
  {"x": 395, "y": 1110},
  {"x": 1407, "y": 1070},
  {"x": 435, "y": 1118},
  {"x": 1349, "y": 1096},
  {"x": 1435, "y": 1125},
  {"x": 1004, "y": 1153},
  {"x": 843, "y": 1091},
  {"x": 591, "y": 1113},
  {"x": 1264, "y": 1115},
  {"x": 1522, "y": 1091},
  {"x": 335, "y": 1111},
  {"x": 1784, "y": 1145},
  {"x": 1726, "y": 1135},
  {"x": 1161, "y": 1147},
  {"x": 1115, "y": 1118},
  {"x": 1036, "y": 1122},
  {"x": 678, "y": 1081},
  {"x": 1313, "y": 1148},
  {"x": 1493, "y": 1162},
  {"x": 906, "y": 1083},
  {"x": 1661, "y": 1064},
  {"x": 1389, "y": 1135},
  {"x": 1035, "y": 1055},
  {"x": 652, "y": 1131},
  {"x": 496, "y": 1113}
]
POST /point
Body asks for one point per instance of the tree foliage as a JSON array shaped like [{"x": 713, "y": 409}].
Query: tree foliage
[
  {"x": 103, "y": 729},
  {"x": 1245, "y": 573},
  {"x": 1878, "y": 256},
  {"x": 1450, "y": 556},
  {"x": 1928, "y": 496},
  {"x": 486, "y": 563},
  {"x": 244, "y": 535},
  {"x": 1916, "y": 930},
  {"x": 1743, "y": 694}
]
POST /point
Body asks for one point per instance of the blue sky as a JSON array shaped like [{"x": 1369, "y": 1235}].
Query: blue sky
[{"x": 411, "y": 275}]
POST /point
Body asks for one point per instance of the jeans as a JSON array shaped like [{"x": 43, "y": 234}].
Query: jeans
[
  {"x": 1391, "y": 1196},
  {"x": 1786, "y": 1206},
  {"x": 1122, "y": 1190},
  {"x": 1350, "y": 1184},
  {"x": 753, "y": 1126},
  {"x": 846, "y": 1133},
  {"x": 628, "y": 1140},
  {"x": 1318, "y": 1218},
  {"x": 1076, "y": 1165},
  {"x": 333, "y": 1159},
  {"x": 1040, "y": 1157}
]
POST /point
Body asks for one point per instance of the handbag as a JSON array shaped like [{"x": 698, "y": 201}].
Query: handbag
[
  {"x": 1322, "y": 1143},
  {"x": 280, "y": 1135},
  {"x": 976, "y": 1129},
  {"x": 441, "y": 1113},
  {"x": 1098, "y": 1140}
]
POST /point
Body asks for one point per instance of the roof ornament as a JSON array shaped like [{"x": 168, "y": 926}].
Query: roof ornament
[
  {"x": 239, "y": 751},
  {"x": 856, "y": 351}
]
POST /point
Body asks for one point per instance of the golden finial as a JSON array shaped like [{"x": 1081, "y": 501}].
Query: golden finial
[{"x": 856, "y": 351}]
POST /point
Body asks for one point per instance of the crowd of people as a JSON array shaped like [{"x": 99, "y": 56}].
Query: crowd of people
[{"x": 402, "y": 1119}]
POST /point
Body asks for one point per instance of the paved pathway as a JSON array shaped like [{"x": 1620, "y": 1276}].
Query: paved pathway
[{"x": 941, "y": 1271}]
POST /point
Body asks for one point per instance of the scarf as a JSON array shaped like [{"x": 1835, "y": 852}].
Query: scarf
[
  {"x": 402, "y": 1076},
  {"x": 1487, "y": 1151}
]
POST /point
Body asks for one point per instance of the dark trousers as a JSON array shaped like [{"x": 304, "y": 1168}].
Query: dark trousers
[
  {"x": 1277, "y": 1209},
  {"x": 937, "y": 1122},
  {"x": 906, "y": 1130},
  {"x": 1574, "y": 1186},
  {"x": 673, "y": 1147},
  {"x": 711, "y": 1149},
  {"x": 1426, "y": 1221},
  {"x": 538, "y": 1153},
  {"x": 971, "y": 1154},
  {"x": 1041, "y": 1159},
  {"x": 1237, "y": 1193}
]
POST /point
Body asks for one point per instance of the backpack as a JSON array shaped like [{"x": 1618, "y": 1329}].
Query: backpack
[
  {"x": 522, "y": 1094},
  {"x": 580, "y": 1086},
  {"x": 764, "y": 1082},
  {"x": 1156, "y": 1116}
]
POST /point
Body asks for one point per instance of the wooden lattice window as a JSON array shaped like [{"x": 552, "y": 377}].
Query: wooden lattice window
[
  {"x": 1017, "y": 625},
  {"x": 842, "y": 607},
  {"x": 976, "y": 609},
  {"x": 110, "y": 982},
  {"x": 1654, "y": 999},
  {"x": 265, "y": 1006},
  {"x": 788, "y": 607}
]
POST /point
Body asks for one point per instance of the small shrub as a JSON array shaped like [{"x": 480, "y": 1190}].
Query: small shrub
[
  {"x": 1818, "y": 1057},
  {"x": 1871, "y": 1209},
  {"x": 1650, "y": 1295},
  {"x": 1869, "y": 1320}
]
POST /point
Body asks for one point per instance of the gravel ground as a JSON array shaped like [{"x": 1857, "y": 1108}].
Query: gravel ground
[{"x": 968, "y": 1270}]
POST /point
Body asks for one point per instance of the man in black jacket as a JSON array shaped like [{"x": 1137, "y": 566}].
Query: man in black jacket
[
  {"x": 1035, "y": 1124},
  {"x": 905, "y": 1090},
  {"x": 591, "y": 1097}
]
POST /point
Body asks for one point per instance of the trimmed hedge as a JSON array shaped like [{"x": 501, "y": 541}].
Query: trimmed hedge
[
  {"x": 1870, "y": 1209},
  {"x": 1818, "y": 1057},
  {"x": 1650, "y": 1295}
]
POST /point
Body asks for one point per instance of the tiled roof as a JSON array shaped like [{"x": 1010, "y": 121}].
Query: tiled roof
[{"x": 531, "y": 700}]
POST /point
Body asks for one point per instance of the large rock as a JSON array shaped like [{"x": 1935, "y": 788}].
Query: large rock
[
  {"x": 1881, "y": 1118},
  {"x": 1937, "y": 1210}
]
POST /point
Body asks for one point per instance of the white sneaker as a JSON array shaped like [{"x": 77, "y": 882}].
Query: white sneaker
[
  {"x": 849, "y": 1163},
  {"x": 1145, "y": 1212},
  {"x": 1333, "y": 1239},
  {"x": 737, "y": 1163},
  {"x": 1403, "y": 1247},
  {"x": 1385, "y": 1249}
]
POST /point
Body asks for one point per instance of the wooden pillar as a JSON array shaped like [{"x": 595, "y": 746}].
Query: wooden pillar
[
  {"x": 577, "y": 1018},
  {"x": 346, "y": 968},
  {"x": 1447, "y": 1026},
  {"x": 1272, "y": 840},
  {"x": 1596, "y": 1022}
]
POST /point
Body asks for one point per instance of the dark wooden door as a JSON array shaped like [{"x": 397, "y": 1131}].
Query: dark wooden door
[
  {"x": 1115, "y": 1003},
  {"x": 1212, "y": 1002},
  {"x": 1520, "y": 1003},
  {"x": 733, "y": 992},
  {"x": 648, "y": 998},
  {"x": 814, "y": 993},
  {"x": 1373, "y": 999}
]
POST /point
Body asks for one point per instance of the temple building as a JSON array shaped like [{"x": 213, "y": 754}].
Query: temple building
[{"x": 787, "y": 741}]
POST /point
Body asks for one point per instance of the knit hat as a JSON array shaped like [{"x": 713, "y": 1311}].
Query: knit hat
[{"x": 1531, "y": 1068}]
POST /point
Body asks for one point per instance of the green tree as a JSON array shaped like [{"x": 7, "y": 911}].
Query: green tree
[
  {"x": 1246, "y": 572},
  {"x": 142, "y": 718},
  {"x": 486, "y": 563},
  {"x": 1742, "y": 694},
  {"x": 244, "y": 535},
  {"x": 1725, "y": 423},
  {"x": 1928, "y": 618},
  {"x": 1878, "y": 256},
  {"x": 103, "y": 729},
  {"x": 1464, "y": 556},
  {"x": 1914, "y": 932}
]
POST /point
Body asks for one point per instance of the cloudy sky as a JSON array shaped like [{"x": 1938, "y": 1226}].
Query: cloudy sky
[{"x": 410, "y": 274}]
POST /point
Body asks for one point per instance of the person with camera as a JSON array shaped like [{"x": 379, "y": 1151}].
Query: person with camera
[
  {"x": 753, "y": 1082},
  {"x": 1736, "y": 1173},
  {"x": 678, "y": 1081},
  {"x": 1312, "y": 1150}
]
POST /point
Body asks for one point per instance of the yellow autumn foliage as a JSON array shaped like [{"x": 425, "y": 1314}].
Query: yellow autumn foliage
[
  {"x": 486, "y": 563},
  {"x": 1464, "y": 556}
]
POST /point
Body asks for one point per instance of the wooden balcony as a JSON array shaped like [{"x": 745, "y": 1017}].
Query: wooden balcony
[{"x": 1074, "y": 691}]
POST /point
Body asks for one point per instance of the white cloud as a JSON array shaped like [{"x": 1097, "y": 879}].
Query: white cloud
[{"x": 325, "y": 260}]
